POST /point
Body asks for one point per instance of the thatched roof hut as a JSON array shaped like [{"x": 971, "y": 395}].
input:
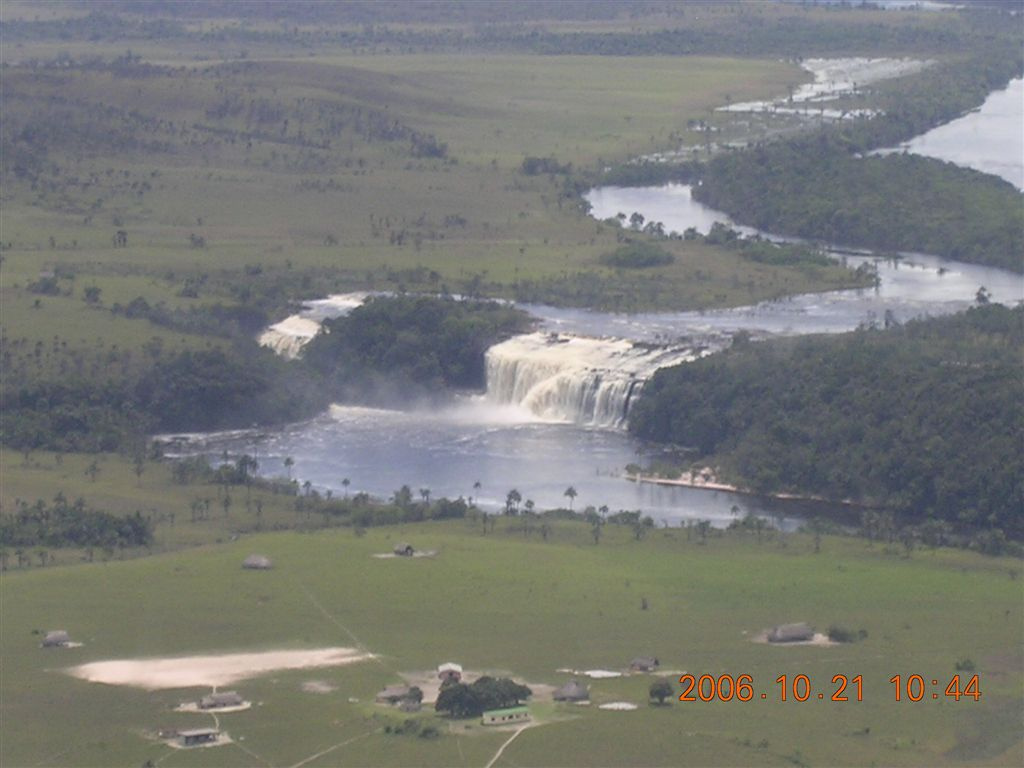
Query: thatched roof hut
[
  {"x": 449, "y": 670},
  {"x": 257, "y": 563},
  {"x": 572, "y": 691},
  {"x": 393, "y": 694},
  {"x": 57, "y": 638},
  {"x": 404, "y": 549},
  {"x": 644, "y": 664},
  {"x": 221, "y": 700},
  {"x": 198, "y": 737},
  {"x": 791, "y": 633}
]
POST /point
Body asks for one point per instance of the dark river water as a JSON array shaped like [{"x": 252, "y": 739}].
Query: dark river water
[{"x": 483, "y": 448}]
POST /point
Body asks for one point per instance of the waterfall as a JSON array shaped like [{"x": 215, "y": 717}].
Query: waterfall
[
  {"x": 575, "y": 378},
  {"x": 288, "y": 337}
]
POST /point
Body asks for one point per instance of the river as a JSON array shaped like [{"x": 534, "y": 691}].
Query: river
[
  {"x": 989, "y": 139},
  {"x": 553, "y": 414}
]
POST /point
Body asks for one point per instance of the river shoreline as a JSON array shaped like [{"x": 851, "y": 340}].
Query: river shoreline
[{"x": 700, "y": 483}]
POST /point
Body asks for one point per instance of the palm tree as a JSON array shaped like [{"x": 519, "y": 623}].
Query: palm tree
[
  {"x": 289, "y": 462},
  {"x": 346, "y": 483},
  {"x": 512, "y": 502},
  {"x": 572, "y": 494}
]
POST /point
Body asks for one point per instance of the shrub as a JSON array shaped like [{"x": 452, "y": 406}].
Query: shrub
[
  {"x": 637, "y": 256},
  {"x": 839, "y": 634}
]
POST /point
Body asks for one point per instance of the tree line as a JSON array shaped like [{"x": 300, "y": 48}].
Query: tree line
[
  {"x": 63, "y": 523},
  {"x": 924, "y": 420}
]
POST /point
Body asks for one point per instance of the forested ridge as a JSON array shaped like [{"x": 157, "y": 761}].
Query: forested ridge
[{"x": 925, "y": 419}]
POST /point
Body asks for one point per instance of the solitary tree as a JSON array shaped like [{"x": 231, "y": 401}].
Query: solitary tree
[
  {"x": 289, "y": 462},
  {"x": 571, "y": 493},
  {"x": 512, "y": 502},
  {"x": 661, "y": 689}
]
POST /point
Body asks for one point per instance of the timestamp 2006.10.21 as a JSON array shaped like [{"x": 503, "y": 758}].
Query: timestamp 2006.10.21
[{"x": 843, "y": 688}]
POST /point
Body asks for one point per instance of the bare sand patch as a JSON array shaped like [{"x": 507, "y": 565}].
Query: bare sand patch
[
  {"x": 318, "y": 686},
  {"x": 619, "y": 706},
  {"x": 820, "y": 639},
  {"x": 210, "y": 671},
  {"x": 593, "y": 674},
  {"x": 193, "y": 706},
  {"x": 394, "y": 556}
]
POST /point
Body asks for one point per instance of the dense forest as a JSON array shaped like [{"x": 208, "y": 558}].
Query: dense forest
[
  {"x": 813, "y": 188},
  {"x": 393, "y": 348},
  {"x": 925, "y": 419}
]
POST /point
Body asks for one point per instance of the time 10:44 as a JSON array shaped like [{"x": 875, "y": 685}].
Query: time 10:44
[{"x": 915, "y": 688}]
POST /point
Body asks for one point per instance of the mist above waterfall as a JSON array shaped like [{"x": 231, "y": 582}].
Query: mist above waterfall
[{"x": 574, "y": 378}]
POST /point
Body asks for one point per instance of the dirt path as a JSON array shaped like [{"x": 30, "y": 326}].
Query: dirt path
[
  {"x": 327, "y": 751},
  {"x": 502, "y": 747}
]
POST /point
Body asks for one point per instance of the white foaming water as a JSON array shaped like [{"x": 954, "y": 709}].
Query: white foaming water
[
  {"x": 834, "y": 78},
  {"x": 288, "y": 337},
  {"x": 574, "y": 378}
]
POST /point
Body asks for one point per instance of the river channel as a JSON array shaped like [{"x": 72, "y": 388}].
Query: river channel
[{"x": 483, "y": 446}]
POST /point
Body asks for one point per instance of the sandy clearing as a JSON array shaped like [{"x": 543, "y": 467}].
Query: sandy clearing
[
  {"x": 820, "y": 639},
  {"x": 210, "y": 671},
  {"x": 393, "y": 556},
  {"x": 619, "y": 706},
  {"x": 318, "y": 686},
  {"x": 193, "y": 706}
]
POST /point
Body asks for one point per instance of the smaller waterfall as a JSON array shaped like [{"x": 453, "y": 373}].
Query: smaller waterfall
[
  {"x": 575, "y": 378},
  {"x": 288, "y": 337}
]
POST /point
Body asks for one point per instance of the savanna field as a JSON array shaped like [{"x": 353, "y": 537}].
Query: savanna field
[{"x": 508, "y": 603}]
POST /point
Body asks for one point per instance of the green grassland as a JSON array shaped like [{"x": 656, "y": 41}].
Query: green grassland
[
  {"x": 273, "y": 165},
  {"x": 504, "y": 602}
]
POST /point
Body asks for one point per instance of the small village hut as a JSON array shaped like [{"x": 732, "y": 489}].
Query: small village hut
[
  {"x": 197, "y": 737},
  {"x": 644, "y": 664},
  {"x": 221, "y": 700},
  {"x": 449, "y": 671},
  {"x": 791, "y": 633},
  {"x": 257, "y": 563},
  {"x": 572, "y": 691},
  {"x": 393, "y": 694},
  {"x": 57, "y": 638}
]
